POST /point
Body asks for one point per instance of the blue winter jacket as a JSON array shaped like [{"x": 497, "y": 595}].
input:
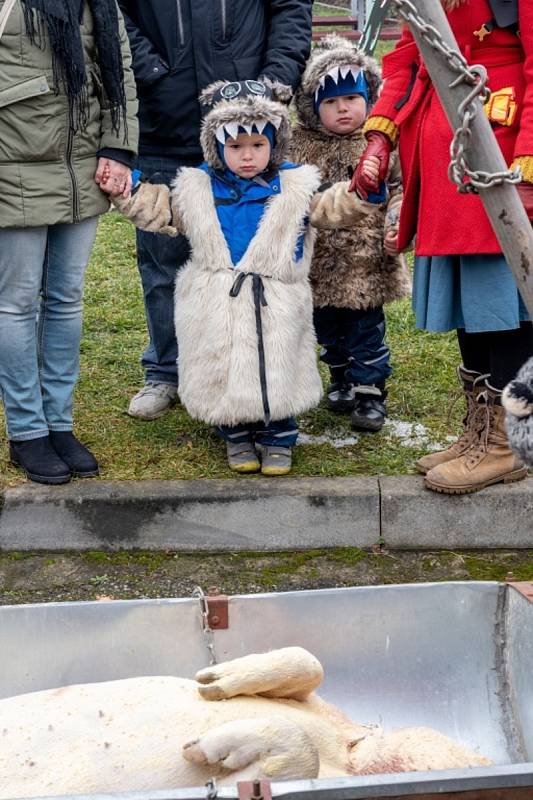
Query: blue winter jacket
[{"x": 240, "y": 205}]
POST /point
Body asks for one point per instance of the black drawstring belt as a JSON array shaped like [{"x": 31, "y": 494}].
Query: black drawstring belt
[{"x": 259, "y": 302}]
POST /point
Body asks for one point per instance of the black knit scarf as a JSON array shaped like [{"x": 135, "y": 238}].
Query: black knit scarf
[{"x": 59, "y": 21}]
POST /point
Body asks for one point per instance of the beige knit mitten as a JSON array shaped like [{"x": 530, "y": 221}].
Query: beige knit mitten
[
  {"x": 148, "y": 208},
  {"x": 337, "y": 208}
]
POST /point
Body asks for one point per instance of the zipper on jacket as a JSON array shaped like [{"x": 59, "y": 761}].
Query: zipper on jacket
[
  {"x": 181, "y": 34},
  {"x": 75, "y": 191},
  {"x": 223, "y": 17}
]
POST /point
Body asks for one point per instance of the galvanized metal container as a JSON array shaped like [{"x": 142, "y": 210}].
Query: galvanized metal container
[{"x": 454, "y": 656}]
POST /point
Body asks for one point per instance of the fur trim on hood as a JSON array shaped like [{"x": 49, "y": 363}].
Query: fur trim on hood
[
  {"x": 329, "y": 53},
  {"x": 245, "y": 111}
]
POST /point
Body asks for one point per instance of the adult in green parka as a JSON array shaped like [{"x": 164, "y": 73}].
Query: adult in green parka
[{"x": 68, "y": 138}]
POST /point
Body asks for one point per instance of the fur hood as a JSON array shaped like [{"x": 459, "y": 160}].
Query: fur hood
[
  {"x": 244, "y": 111},
  {"x": 332, "y": 52}
]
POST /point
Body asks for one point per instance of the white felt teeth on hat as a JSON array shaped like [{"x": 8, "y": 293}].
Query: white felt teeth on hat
[
  {"x": 333, "y": 74},
  {"x": 276, "y": 122},
  {"x": 232, "y": 129},
  {"x": 248, "y": 129},
  {"x": 261, "y": 125},
  {"x": 322, "y": 81},
  {"x": 221, "y": 134},
  {"x": 350, "y": 68}
]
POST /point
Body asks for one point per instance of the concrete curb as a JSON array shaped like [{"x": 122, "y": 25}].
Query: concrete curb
[{"x": 263, "y": 515}]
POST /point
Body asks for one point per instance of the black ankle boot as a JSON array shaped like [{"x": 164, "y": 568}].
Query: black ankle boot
[
  {"x": 81, "y": 461},
  {"x": 369, "y": 411},
  {"x": 40, "y": 462},
  {"x": 341, "y": 396}
]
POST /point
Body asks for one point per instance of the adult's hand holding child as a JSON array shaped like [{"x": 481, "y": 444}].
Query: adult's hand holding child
[{"x": 113, "y": 178}]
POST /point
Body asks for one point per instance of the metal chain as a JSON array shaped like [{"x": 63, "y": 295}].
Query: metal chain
[
  {"x": 475, "y": 76},
  {"x": 211, "y": 788},
  {"x": 208, "y": 633}
]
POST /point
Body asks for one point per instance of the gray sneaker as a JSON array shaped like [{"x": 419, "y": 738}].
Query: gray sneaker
[
  {"x": 276, "y": 460},
  {"x": 153, "y": 400},
  {"x": 242, "y": 457}
]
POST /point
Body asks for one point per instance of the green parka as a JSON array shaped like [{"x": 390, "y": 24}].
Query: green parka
[{"x": 46, "y": 172}]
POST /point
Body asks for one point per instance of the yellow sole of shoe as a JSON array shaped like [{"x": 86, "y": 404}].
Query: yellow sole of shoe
[
  {"x": 247, "y": 467},
  {"x": 273, "y": 472},
  {"x": 511, "y": 477}
]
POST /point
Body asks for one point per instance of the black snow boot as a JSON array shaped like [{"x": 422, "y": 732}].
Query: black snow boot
[
  {"x": 340, "y": 393},
  {"x": 81, "y": 461},
  {"x": 39, "y": 461},
  {"x": 369, "y": 411}
]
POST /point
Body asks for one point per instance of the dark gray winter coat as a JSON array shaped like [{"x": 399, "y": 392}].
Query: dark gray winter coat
[{"x": 182, "y": 46}]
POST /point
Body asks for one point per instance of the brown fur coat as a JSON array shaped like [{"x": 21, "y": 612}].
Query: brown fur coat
[{"x": 350, "y": 268}]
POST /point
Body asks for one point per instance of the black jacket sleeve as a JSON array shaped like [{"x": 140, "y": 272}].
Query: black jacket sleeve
[
  {"x": 148, "y": 66},
  {"x": 289, "y": 40},
  {"x": 125, "y": 157}
]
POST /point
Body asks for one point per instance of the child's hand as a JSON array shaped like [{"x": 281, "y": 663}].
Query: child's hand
[
  {"x": 370, "y": 168},
  {"x": 390, "y": 242}
]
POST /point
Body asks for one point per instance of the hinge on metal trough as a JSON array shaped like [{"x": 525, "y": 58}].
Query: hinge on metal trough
[
  {"x": 254, "y": 790},
  {"x": 524, "y": 587},
  {"x": 217, "y": 610}
]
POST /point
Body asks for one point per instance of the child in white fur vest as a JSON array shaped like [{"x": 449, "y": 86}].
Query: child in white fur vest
[{"x": 243, "y": 307}]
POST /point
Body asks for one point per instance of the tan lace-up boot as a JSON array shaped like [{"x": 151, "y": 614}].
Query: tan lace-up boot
[
  {"x": 488, "y": 460},
  {"x": 473, "y": 385}
]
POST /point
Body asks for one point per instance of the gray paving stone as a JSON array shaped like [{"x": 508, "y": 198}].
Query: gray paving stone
[
  {"x": 414, "y": 518},
  {"x": 210, "y": 515}
]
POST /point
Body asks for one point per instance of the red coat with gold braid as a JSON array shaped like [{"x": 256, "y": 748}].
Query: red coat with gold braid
[{"x": 409, "y": 110}]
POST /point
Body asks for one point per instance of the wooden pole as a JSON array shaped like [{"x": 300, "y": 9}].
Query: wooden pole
[{"x": 502, "y": 203}]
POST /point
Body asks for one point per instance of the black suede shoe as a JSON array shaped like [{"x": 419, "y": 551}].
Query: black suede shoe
[
  {"x": 369, "y": 411},
  {"x": 341, "y": 396},
  {"x": 81, "y": 461},
  {"x": 39, "y": 461}
]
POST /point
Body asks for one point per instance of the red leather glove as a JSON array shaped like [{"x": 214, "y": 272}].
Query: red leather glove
[
  {"x": 378, "y": 145},
  {"x": 525, "y": 190}
]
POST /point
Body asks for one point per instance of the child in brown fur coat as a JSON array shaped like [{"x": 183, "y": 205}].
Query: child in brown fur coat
[{"x": 357, "y": 269}]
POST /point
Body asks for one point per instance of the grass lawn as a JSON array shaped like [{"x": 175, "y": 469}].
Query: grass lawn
[
  {"x": 420, "y": 392},
  {"x": 177, "y": 447}
]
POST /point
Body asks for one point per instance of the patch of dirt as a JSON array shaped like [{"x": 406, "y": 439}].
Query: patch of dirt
[{"x": 37, "y": 578}]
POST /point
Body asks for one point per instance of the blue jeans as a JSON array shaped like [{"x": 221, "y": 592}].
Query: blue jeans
[
  {"x": 353, "y": 344},
  {"x": 279, "y": 433},
  {"x": 159, "y": 258},
  {"x": 41, "y": 297}
]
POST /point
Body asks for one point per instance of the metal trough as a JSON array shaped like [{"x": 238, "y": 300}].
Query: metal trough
[{"x": 454, "y": 656}]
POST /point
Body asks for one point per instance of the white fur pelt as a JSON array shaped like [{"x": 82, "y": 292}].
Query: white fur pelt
[{"x": 218, "y": 362}]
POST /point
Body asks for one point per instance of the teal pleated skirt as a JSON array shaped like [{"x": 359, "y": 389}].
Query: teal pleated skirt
[{"x": 474, "y": 292}]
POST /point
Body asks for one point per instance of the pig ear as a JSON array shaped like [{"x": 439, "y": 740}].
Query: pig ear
[{"x": 207, "y": 96}]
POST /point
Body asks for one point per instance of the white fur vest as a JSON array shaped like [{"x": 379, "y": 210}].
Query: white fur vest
[{"x": 220, "y": 377}]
